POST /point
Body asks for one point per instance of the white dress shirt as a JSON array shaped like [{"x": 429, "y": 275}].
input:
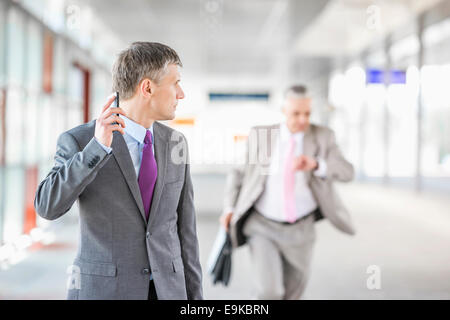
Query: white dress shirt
[
  {"x": 270, "y": 203},
  {"x": 134, "y": 138}
]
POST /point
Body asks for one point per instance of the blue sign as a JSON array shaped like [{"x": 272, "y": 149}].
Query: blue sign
[{"x": 379, "y": 76}]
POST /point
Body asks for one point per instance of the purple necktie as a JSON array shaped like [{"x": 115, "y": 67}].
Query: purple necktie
[{"x": 147, "y": 173}]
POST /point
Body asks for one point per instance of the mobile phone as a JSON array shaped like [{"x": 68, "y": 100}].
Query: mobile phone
[{"x": 115, "y": 104}]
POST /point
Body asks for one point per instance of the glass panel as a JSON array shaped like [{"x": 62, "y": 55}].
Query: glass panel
[
  {"x": 402, "y": 103},
  {"x": 436, "y": 121},
  {"x": 34, "y": 58},
  {"x": 374, "y": 151},
  {"x": 59, "y": 66},
  {"x": 16, "y": 52},
  {"x": 75, "y": 92},
  {"x": 14, "y": 203},
  {"x": 347, "y": 95},
  {"x": 47, "y": 136},
  {"x": 15, "y": 115},
  {"x": 3, "y": 15},
  {"x": 33, "y": 130}
]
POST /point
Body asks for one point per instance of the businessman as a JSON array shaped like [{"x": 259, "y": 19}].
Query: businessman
[
  {"x": 130, "y": 175},
  {"x": 285, "y": 185}
]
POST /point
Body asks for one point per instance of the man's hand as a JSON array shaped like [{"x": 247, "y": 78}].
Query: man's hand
[
  {"x": 305, "y": 163},
  {"x": 225, "y": 220},
  {"x": 104, "y": 126}
]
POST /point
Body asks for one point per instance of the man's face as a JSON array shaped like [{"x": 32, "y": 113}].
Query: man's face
[
  {"x": 166, "y": 93},
  {"x": 297, "y": 112}
]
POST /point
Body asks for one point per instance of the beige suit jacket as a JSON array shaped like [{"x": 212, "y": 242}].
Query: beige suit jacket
[{"x": 246, "y": 182}]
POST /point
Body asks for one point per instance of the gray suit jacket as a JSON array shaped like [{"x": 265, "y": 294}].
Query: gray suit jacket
[
  {"x": 117, "y": 247},
  {"x": 245, "y": 183}
]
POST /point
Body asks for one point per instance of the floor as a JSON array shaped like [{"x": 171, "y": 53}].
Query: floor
[{"x": 402, "y": 235}]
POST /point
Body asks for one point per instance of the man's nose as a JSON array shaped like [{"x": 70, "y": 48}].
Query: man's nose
[{"x": 180, "y": 94}]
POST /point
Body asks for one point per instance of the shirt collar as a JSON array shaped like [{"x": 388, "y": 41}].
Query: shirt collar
[
  {"x": 286, "y": 134},
  {"x": 135, "y": 130}
]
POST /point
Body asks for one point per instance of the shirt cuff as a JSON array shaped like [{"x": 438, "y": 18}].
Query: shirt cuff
[
  {"x": 107, "y": 149},
  {"x": 322, "y": 170}
]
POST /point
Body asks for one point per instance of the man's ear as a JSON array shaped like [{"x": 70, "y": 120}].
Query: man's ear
[{"x": 146, "y": 87}]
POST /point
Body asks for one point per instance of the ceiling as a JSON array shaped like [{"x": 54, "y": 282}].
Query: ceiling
[
  {"x": 349, "y": 26},
  {"x": 288, "y": 39},
  {"x": 213, "y": 36}
]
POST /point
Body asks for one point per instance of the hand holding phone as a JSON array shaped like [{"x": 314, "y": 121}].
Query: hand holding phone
[{"x": 109, "y": 121}]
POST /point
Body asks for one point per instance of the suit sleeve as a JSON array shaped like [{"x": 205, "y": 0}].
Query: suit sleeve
[
  {"x": 338, "y": 168},
  {"x": 234, "y": 180},
  {"x": 187, "y": 233},
  {"x": 72, "y": 172}
]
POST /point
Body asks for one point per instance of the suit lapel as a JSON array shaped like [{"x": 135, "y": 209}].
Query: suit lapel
[
  {"x": 267, "y": 148},
  {"x": 161, "y": 155},
  {"x": 309, "y": 147},
  {"x": 273, "y": 136},
  {"x": 123, "y": 158}
]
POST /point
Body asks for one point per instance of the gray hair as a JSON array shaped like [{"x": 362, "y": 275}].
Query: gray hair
[
  {"x": 139, "y": 61},
  {"x": 296, "y": 91}
]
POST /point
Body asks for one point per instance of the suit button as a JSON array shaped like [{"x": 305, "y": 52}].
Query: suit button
[
  {"x": 148, "y": 235},
  {"x": 145, "y": 271}
]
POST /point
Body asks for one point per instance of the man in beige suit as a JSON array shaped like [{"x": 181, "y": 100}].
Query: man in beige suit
[{"x": 285, "y": 185}]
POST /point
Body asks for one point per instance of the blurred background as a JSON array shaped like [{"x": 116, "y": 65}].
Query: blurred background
[{"x": 378, "y": 73}]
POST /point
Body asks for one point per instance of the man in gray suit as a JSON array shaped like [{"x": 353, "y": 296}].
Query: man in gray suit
[
  {"x": 285, "y": 185},
  {"x": 130, "y": 175}
]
